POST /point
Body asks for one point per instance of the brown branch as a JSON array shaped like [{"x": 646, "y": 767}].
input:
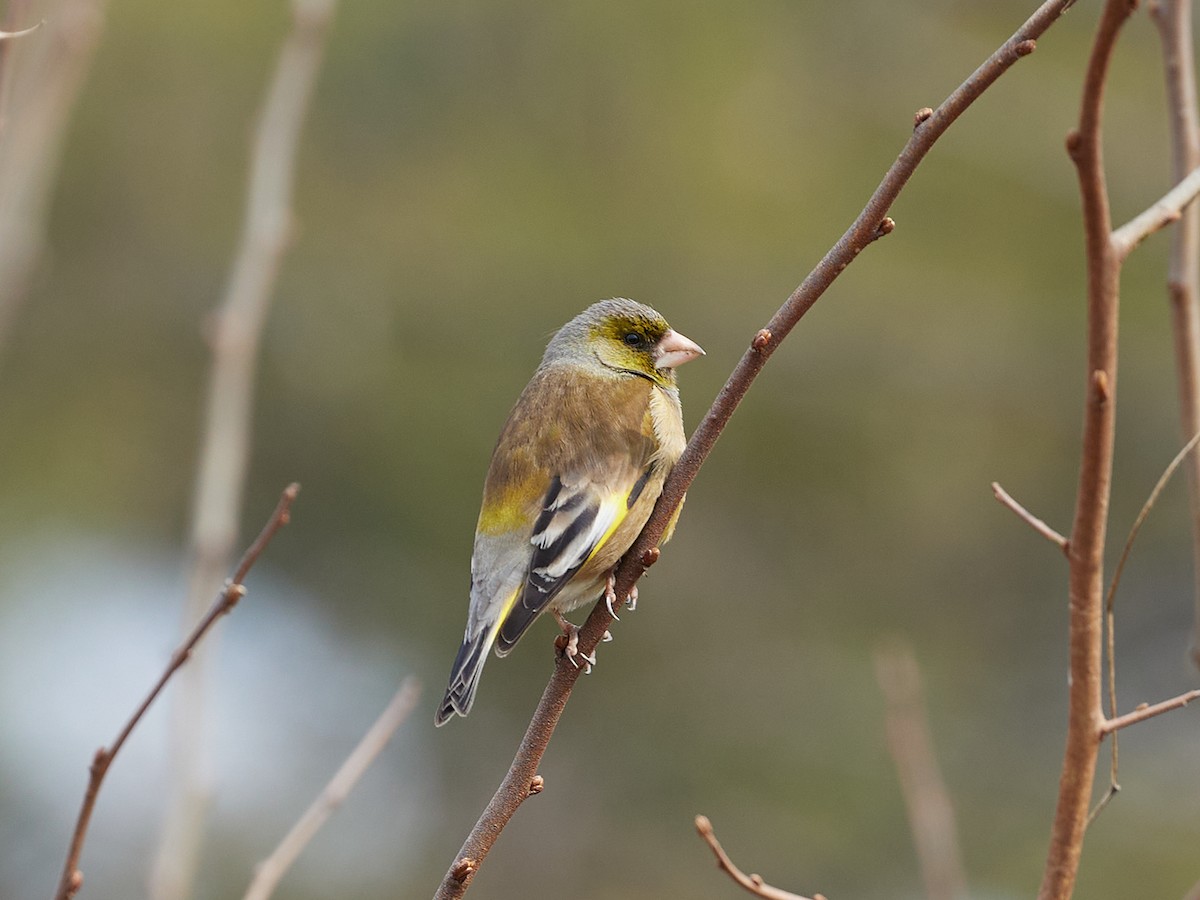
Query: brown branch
[
  {"x": 753, "y": 883},
  {"x": 72, "y": 878},
  {"x": 268, "y": 873},
  {"x": 1086, "y": 557},
  {"x": 221, "y": 476},
  {"x": 871, "y": 223},
  {"x": 1029, "y": 518},
  {"x": 1144, "y": 712},
  {"x": 1174, "y": 19},
  {"x": 926, "y": 800},
  {"x": 1169, "y": 208}
]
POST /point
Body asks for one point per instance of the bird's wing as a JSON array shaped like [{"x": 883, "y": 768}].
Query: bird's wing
[{"x": 578, "y": 516}]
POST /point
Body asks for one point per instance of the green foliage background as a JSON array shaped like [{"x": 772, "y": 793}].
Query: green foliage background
[{"x": 473, "y": 174}]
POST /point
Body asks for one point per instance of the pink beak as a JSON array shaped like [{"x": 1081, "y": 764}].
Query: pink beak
[{"x": 674, "y": 350}]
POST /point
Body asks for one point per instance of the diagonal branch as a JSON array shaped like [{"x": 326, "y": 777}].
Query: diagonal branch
[
  {"x": 870, "y": 225},
  {"x": 72, "y": 878},
  {"x": 1029, "y": 518},
  {"x": 1110, "y": 622},
  {"x": 1144, "y": 712},
  {"x": 752, "y": 883},
  {"x": 268, "y": 873},
  {"x": 1169, "y": 208}
]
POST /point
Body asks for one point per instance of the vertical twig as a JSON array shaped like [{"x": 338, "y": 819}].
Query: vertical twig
[
  {"x": 1174, "y": 19},
  {"x": 40, "y": 80},
  {"x": 1086, "y": 556},
  {"x": 930, "y": 812},
  {"x": 235, "y": 341},
  {"x": 269, "y": 872}
]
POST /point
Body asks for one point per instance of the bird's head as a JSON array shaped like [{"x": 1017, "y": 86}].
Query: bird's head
[{"x": 627, "y": 337}]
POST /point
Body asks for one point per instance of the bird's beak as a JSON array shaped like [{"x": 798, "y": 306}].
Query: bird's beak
[{"x": 674, "y": 350}]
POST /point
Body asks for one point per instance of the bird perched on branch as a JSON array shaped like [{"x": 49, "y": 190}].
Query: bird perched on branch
[{"x": 575, "y": 473}]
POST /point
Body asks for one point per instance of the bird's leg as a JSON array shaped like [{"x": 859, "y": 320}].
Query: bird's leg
[{"x": 570, "y": 645}]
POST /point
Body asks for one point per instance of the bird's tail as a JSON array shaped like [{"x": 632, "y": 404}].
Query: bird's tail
[{"x": 464, "y": 675}]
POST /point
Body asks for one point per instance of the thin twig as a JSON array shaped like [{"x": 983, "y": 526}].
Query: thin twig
[
  {"x": 1174, "y": 20},
  {"x": 1086, "y": 557},
  {"x": 753, "y": 883},
  {"x": 869, "y": 225},
  {"x": 236, "y": 336},
  {"x": 930, "y": 812},
  {"x": 72, "y": 878},
  {"x": 1144, "y": 712},
  {"x": 268, "y": 873},
  {"x": 1166, "y": 210},
  {"x": 1029, "y": 518},
  {"x": 1110, "y": 618}
]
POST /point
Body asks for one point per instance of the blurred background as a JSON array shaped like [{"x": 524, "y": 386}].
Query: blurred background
[{"x": 472, "y": 174}]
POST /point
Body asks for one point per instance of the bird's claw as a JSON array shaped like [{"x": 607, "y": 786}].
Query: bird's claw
[
  {"x": 607, "y": 637},
  {"x": 610, "y": 595}
]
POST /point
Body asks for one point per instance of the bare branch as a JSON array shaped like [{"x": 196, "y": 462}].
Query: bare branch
[
  {"x": 72, "y": 878},
  {"x": 1110, "y": 619},
  {"x": 1029, "y": 518},
  {"x": 1174, "y": 20},
  {"x": 221, "y": 477},
  {"x": 1167, "y": 210},
  {"x": 1086, "y": 556},
  {"x": 269, "y": 872},
  {"x": 753, "y": 883},
  {"x": 930, "y": 812},
  {"x": 1144, "y": 712},
  {"x": 866, "y": 229}
]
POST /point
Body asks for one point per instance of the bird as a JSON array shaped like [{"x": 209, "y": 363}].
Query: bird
[{"x": 576, "y": 471}]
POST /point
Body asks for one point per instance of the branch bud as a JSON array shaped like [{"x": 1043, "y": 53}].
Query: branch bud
[{"x": 463, "y": 869}]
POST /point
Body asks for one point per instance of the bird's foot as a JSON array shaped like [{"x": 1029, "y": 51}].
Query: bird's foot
[
  {"x": 610, "y": 596},
  {"x": 568, "y": 644}
]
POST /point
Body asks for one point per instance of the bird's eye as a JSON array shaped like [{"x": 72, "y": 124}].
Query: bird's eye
[{"x": 633, "y": 339}]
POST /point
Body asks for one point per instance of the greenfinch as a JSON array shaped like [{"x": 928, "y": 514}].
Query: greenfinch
[{"x": 574, "y": 476}]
